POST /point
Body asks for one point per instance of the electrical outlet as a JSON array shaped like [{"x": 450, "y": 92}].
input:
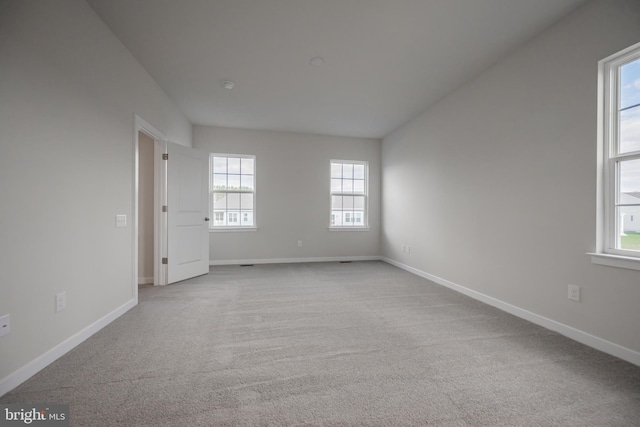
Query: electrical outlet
[
  {"x": 574, "y": 292},
  {"x": 5, "y": 327},
  {"x": 61, "y": 301},
  {"x": 299, "y": 243},
  {"x": 408, "y": 249}
]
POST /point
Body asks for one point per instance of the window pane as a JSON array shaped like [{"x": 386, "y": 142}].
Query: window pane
[
  {"x": 358, "y": 203},
  {"x": 246, "y": 166},
  {"x": 219, "y": 165},
  {"x": 627, "y": 225},
  {"x": 336, "y": 170},
  {"x": 219, "y": 181},
  {"x": 347, "y": 186},
  {"x": 347, "y": 170},
  {"x": 234, "y": 182},
  {"x": 218, "y": 218},
  {"x": 630, "y": 84},
  {"x": 233, "y": 201},
  {"x": 336, "y": 202},
  {"x": 234, "y": 165},
  {"x": 629, "y": 132},
  {"x": 336, "y": 217},
  {"x": 246, "y": 201},
  {"x": 247, "y": 218},
  {"x": 246, "y": 182},
  {"x": 628, "y": 228},
  {"x": 347, "y": 202},
  {"x": 358, "y": 171},
  {"x": 219, "y": 201},
  {"x": 336, "y": 185},
  {"x": 358, "y": 186},
  {"x": 629, "y": 177}
]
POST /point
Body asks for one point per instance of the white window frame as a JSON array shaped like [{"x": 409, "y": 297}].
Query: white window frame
[
  {"x": 237, "y": 226},
  {"x": 607, "y": 252},
  {"x": 364, "y": 225}
]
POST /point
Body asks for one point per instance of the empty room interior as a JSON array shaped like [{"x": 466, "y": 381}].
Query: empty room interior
[{"x": 321, "y": 212}]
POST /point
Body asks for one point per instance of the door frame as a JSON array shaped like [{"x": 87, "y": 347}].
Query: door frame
[{"x": 159, "y": 199}]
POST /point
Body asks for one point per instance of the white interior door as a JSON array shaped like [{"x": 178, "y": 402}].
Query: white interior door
[{"x": 188, "y": 209}]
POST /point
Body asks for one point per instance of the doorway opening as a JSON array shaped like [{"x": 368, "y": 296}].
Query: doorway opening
[{"x": 149, "y": 197}]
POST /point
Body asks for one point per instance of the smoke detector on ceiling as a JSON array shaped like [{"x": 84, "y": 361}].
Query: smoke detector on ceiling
[{"x": 228, "y": 84}]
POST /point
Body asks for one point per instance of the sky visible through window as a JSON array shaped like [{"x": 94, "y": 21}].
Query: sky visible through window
[{"x": 629, "y": 130}]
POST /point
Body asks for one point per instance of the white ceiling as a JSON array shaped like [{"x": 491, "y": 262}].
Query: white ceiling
[{"x": 385, "y": 60}]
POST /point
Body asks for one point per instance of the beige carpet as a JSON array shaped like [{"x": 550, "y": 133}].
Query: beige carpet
[{"x": 330, "y": 344}]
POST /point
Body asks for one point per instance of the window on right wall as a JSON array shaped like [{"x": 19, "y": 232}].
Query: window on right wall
[
  {"x": 349, "y": 188},
  {"x": 620, "y": 135}
]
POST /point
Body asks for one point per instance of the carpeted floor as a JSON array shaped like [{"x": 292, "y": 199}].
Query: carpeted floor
[{"x": 330, "y": 344}]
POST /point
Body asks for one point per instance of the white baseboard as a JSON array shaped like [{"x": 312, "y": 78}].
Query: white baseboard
[
  {"x": 294, "y": 260},
  {"x": 16, "y": 378},
  {"x": 145, "y": 280},
  {"x": 605, "y": 346},
  {"x": 27, "y": 371}
]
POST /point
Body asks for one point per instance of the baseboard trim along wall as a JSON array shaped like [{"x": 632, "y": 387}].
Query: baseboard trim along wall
[
  {"x": 145, "y": 280},
  {"x": 27, "y": 371},
  {"x": 16, "y": 378},
  {"x": 293, "y": 260},
  {"x": 605, "y": 346}
]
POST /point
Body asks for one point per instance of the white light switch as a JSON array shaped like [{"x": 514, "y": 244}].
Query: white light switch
[{"x": 121, "y": 221}]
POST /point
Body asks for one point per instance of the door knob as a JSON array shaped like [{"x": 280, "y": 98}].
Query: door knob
[{"x": 206, "y": 218}]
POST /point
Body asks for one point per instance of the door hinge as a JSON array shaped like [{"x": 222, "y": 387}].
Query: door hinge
[
  {"x": 165, "y": 260},
  {"x": 165, "y": 156},
  {"x": 165, "y": 208}
]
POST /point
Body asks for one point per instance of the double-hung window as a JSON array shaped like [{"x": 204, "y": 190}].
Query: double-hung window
[
  {"x": 620, "y": 119},
  {"x": 348, "y": 194},
  {"x": 233, "y": 191}
]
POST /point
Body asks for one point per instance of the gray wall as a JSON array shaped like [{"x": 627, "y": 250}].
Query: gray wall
[
  {"x": 494, "y": 187},
  {"x": 145, "y": 208},
  {"x": 292, "y": 192},
  {"x": 69, "y": 90}
]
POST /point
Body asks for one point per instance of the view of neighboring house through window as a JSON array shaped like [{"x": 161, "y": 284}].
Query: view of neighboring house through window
[
  {"x": 621, "y": 108},
  {"x": 232, "y": 189},
  {"x": 348, "y": 194}
]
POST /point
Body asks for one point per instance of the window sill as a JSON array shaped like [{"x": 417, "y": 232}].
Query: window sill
[
  {"x": 348, "y": 228},
  {"x": 611, "y": 260},
  {"x": 232, "y": 229}
]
